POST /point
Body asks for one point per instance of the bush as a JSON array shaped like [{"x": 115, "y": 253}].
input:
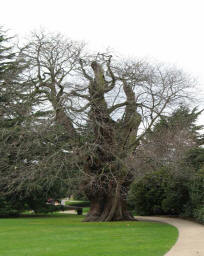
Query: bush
[
  {"x": 195, "y": 206},
  {"x": 145, "y": 196},
  {"x": 48, "y": 208},
  {"x": 198, "y": 214},
  {"x": 14, "y": 206},
  {"x": 6, "y": 209},
  {"x": 164, "y": 193},
  {"x": 78, "y": 203},
  {"x": 11, "y": 207},
  {"x": 159, "y": 193}
]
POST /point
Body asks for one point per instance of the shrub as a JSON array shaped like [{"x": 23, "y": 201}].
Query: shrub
[
  {"x": 11, "y": 207},
  {"x": 78, "y": 203},
  {"x": 159, "y": 193},
  {"x": 14, "y": 206},
  {"x": 195, "y": 206},
  {"x": 48, "y": 208},
  {"x": 145, "y": 195},
  {"x": 198, "y": 214},
  {"x": 164, "y": 193}
]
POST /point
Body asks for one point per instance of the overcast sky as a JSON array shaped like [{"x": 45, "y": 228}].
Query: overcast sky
[{"x": 170, "y": 31}]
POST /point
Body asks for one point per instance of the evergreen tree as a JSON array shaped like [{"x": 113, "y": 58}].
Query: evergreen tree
[
  {"x": 33, "y": 163},
  {"x": 171, "y": 138},
  {"x": 12, "y": 111}
]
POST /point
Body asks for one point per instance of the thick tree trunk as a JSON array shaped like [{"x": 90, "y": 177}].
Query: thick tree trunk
[
  {"x": 111, "y": 207},
  {"x": 105, "y": 165},
  {"x": 95, "y": 211}
]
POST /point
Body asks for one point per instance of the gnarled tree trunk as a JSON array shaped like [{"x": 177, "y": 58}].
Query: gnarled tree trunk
[
  {"x": 105, "y": 163},
  {"x": 111, "y": 209},
  {"x": 109, "y": 206}
]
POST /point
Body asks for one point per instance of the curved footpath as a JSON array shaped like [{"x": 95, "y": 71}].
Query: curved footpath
[{"x": 191, "y": 236}]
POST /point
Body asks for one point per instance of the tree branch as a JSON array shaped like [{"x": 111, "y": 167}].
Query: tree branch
[
  {"x": 84, "y": 72},
  {"x": 111, "y": 109}
]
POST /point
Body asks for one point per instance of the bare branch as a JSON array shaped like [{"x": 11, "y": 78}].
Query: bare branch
[{"x": 119, "y": 105}]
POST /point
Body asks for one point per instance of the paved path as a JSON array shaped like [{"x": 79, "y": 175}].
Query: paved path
[
  {"x": 191, "y": 236},
  {"x": 69, "y": 212}
]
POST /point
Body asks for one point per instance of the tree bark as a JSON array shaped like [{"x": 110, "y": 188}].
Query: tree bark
[
  {"x": 108, "y": 177},
  {"x": 111, "y": 207}
]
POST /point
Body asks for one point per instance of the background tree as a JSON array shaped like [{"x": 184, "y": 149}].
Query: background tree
[
  {"x": 171, "y": 180},
  {"x": 13, "y": 112},
  {"x": 53, "y": 61},
  {"x": 170, "y": 140},
  {"x": 29, "y": 142}
]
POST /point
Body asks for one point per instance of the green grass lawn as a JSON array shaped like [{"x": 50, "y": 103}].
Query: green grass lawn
[
  {"x": 66, "y": 235},
  {"x": 85, "y": 210}
]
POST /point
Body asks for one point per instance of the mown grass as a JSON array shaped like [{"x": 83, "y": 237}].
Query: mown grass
[
  {"x": 66, "y": 235},
  {"x": 86, "y": 210}
]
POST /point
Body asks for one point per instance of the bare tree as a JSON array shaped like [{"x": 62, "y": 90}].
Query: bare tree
[
  {"x": 53, "y": 61},
  {"x": 142, "y": 92},
  {"x": 109, "y": 106}
]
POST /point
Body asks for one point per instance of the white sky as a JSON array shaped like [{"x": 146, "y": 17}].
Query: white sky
[{"x": 170, "y": 31}]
